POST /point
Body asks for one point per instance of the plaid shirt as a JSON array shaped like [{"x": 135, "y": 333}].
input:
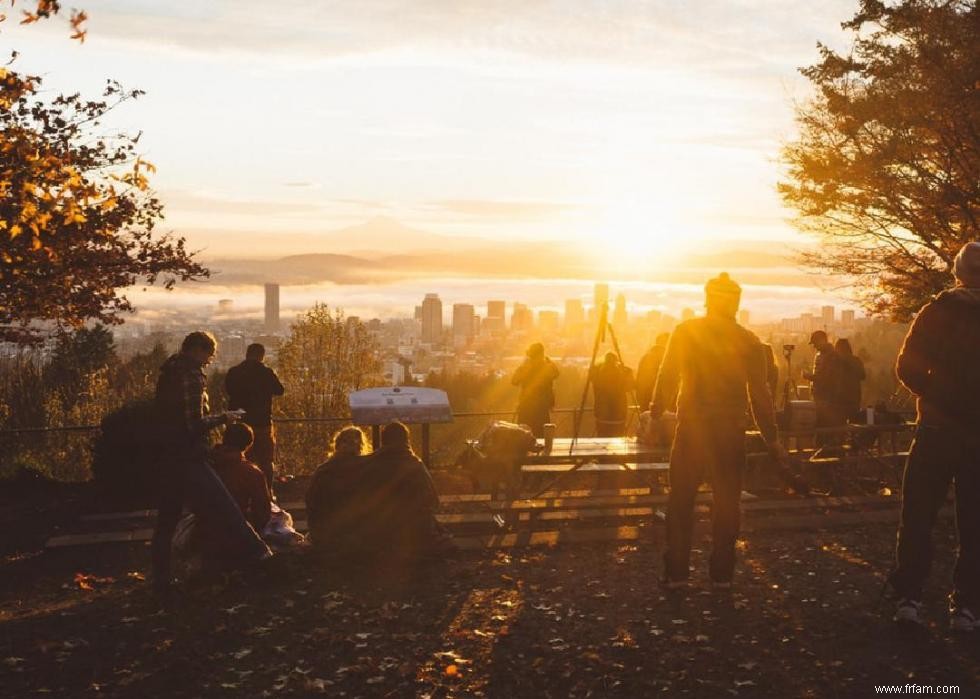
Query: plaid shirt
[
  {"x": 197, "y": 406},
  {"x": 182, "y": 395}
]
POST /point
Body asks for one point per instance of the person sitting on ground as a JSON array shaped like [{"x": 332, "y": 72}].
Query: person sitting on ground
[
  {"x": 402, "y": 499},
  {"x": 330, "y": 507},
  {"x": 244, "y": 480}
]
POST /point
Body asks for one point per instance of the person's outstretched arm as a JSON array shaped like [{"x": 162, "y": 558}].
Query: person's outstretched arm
[
  {"x": 669, "y": 376},
  {"x": 275, "y": 385}
]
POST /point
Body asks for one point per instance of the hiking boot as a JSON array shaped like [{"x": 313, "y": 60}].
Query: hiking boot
[
  {"x": 721, "y": 585},
  {"x": 963, "y": 620},
  {"x": 909, "y": 612}
]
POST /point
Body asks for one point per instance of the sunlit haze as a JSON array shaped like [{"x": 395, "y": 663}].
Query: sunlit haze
[{"x": 628, "y": 133}]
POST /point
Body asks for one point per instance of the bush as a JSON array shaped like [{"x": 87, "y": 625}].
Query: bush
[{"x": 126, "y": 457}]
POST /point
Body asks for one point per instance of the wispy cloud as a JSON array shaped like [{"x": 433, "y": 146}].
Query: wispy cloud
[{"x": 501, "y": 210}]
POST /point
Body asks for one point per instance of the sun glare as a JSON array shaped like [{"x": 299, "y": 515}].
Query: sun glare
[{"x": 636, "y": 235}]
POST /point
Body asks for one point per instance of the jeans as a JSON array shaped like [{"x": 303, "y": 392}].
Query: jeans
[
  {"x": 193, "y": 482},
  {"x": 939, "y": 456},
  {"x": 712, "y": 450}
]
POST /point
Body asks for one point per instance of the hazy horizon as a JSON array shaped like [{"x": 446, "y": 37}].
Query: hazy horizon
[{"x": 625, "y": 131}]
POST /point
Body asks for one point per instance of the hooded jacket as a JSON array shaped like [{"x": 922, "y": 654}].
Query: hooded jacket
[{"x": 940, "y": 359}]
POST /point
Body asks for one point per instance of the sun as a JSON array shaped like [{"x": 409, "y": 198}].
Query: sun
[{"x": 634, "y": 236}]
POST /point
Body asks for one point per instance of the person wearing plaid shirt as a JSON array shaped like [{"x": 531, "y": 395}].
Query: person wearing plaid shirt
[{"x": 186, "y": 478}]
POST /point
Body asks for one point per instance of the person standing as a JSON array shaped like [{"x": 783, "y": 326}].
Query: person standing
[
  {"x": 851, "y": 374},
  {"x": 938, "y": 363},
  {"x": 611, "y": 384},
  {"x": 647, "y": 370},
  {"x": 184, "y": 421},
  {"x": 824, "y": 387},
  {"x": 713, "y": 371},
  {"x": 251, "y": 386},
  {"x": 536, "y": 377}
]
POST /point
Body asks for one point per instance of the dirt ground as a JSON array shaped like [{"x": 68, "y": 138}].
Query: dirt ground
[{"x": 804, "y": 620}]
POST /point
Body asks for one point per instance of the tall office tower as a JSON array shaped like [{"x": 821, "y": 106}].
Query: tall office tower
[
  {"x": 272, "y": 308},
  {"x": 548, "y": 321},
  {"x": 601, "y": 294},
  {"x": 619, "y": 317},
  {"x": 574, "y": 313},
  {"x": 497, "y": 309},
  {"x": 827, "y": 315},
  {"x": 847, "y": 318},
  {"x": 431, "y": 319},
  {"x": 522, "y": 318},
  {"x": 743, "y": 317},
  {"x": 687, "y": 314},
  {"x": 464, "y": 324},
  {"x": 226, "y": 305}
]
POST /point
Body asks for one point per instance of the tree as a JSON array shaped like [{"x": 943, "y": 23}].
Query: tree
[
  {"x": 77, "y": 215},
  {"x": 885, "y": 172},
  {"x": 325, "y": 357}
]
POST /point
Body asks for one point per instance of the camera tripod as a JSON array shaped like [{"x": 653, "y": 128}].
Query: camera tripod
[{"x": 603, "y": 327}]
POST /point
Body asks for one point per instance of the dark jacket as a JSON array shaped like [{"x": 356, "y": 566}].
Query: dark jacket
[
  {"x": 825, "y": 377},
  {"x": 851, "y": 373},
  {"x": 366, "y": 504},
  {"x": 251, "y": 386},
  {"x": 714, "y": 369},
  {"x": 939, "y": 360},
  {"x": 246, "y": 484},
  {"x": 646, "y": 375},
  {"x": 182, "y": 404},
  {"x": 536, "y": 379},
  {"x": 611, "y": 384},
  {"x": 334, "y": 503}
]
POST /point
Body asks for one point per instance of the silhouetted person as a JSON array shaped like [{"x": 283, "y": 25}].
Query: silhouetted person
[
  {"x": 713, "y": 371},
  {"x": 535, "y": 376},
  {"x": 850, "y": 374},
  {"x": 772, "y": 370},
  {"x": 611, "y": 384},
  {"x": 939, "y": 364},
  {"x": 649, "y": 367},
  {"x": 333, "y": 505},
  {"x": 244, "y": 480},
  {"x": 824, "y": 380},
  {"x": 184, "y": 421},
  {"x": 251, "y": 386}
]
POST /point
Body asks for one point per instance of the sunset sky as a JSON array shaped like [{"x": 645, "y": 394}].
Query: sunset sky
[{"x": 634, "y": 125}]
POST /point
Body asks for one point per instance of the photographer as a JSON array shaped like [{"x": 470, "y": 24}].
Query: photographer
[{"x": 535, "y": 376}]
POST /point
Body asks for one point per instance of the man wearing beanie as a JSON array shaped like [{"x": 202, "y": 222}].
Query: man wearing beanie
[
  {"x": 940, "y": 364},
  {"x": 712, "y": 370}
]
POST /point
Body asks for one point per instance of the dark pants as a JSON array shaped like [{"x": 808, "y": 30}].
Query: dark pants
[
  {"x": 191, "y": 481},
  {"x": 610, "y": 427},
  {"x": 262, "y": 453},
  {"x": 535, "y": 417},
  {"x": 939, "y": 456},
  {"x": 712, "y": 450}
]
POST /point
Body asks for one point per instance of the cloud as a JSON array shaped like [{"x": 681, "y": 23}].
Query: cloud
[
  {"x": 177, "y": 200},
  {"x": 726, "y": 35},
  {"x": 501, "y": 210}
]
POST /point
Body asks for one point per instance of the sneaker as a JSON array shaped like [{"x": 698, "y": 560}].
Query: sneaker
[
  {"x": 909, "y": 612},
  {"x": 962, "y": 619}
]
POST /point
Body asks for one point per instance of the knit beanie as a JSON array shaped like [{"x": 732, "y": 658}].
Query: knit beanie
[
  {"x": 722, "y": 285},
  {"x": 966, "y": 266}
]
